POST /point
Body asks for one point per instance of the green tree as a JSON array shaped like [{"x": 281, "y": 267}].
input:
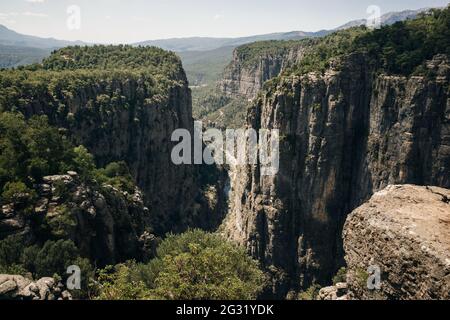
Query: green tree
[
  {"x": 18, "y": 192},
  {"x": 194, "y": 265},
  {"x": 115, "y": 283},
  {"x": 10, "y": 255},
  {"x": 84, "y": 162}
]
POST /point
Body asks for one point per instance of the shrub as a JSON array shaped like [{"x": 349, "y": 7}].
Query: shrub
[
  {"x": 116, "y": 283},
  {"x": 341, "y": 276},
  {"x": 10, "y": 254},
  {"x": 195, "y": 265},
  {"x": 117, "y": 175},
  {"x": 53, "y": 259},
  {"x": 84, "y": 162},
  {"x": 310, "y": 294},
  {"x": 18, "y": 192},
  {"x": 63, "y": 224}
]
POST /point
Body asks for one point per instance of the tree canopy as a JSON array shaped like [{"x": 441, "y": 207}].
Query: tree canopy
[{"x": 194, "y": 265}]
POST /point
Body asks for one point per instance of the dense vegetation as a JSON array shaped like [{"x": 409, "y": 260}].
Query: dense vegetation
[
  {"x": 19, "y": 90},
  {"x": 155, "y": 60},
  {"x": 195, "y": 265},
  {"x": 319, "y": 52},
  {"x": 49, "y": 259},
  {"x": 69, "y": 71},
  {"x": 29, "y": 150},
  {"x": 401, "y": 48},
  {"x": 250, "y": 54}
]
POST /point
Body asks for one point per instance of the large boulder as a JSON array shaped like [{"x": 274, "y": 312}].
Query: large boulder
[
  {"x": 404, "y": 232},
  {"x": 13, "y": 287},
  {"x": 336, "y": 292}
]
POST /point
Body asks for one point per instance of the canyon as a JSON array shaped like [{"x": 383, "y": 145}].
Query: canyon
[{"x": 356, "y": 143}]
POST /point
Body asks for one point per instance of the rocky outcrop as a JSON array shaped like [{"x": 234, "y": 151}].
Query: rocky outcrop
[
  {"x": 245, "y": 76},
  {"x": 20, "y": 288},
  {"x": 336, "y": 292},
  {"x": 344, "y": 135},
  {"x": 403, "y": 231},
  {"x": 138, "y": 134},
  {"x": 107, "y": 225}
]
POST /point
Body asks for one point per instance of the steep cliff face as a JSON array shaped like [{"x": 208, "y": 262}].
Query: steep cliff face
[
  {"x": 122, "y": 114},
  {"x": 402, "y": 232},
  {"x": 254, "y": 64},
  {"x": 344, "y": 135},
  {"x": 140, "y": 136}
]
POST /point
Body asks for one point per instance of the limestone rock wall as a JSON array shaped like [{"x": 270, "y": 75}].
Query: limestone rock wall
[
  {"x": 404, "y": 231},
  {"x": 246, "y": 80},
  {"x": 344, "y": 135}
]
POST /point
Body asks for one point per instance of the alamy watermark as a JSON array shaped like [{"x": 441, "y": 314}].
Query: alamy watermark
[
  {"x": 74, "y": 280},
  {"x": 374, "y": 19},
  {"x": 233, "y": 147},
  {"x": 74, "y": 17},
  {"x": 374, "y": 277}
]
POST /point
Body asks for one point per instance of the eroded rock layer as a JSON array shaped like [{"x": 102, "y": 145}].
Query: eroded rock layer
[
  {"x": 344, "y": 135},
  {"x": 245, "y": 76},
  {"x": 403, "y": 231}
]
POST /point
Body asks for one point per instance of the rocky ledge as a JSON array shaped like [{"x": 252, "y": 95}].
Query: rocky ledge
[
  {"x": 403, "y": 231},
  {"x": 20, "y": 288},
  {"x": 107, "y": 225}
]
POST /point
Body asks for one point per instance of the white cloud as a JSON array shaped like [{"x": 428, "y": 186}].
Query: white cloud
[
  {"x": 218, "y": 17},
  {"x": 36, "y": 1}
]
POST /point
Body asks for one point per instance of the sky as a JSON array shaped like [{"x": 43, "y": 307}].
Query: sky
[{"x": 128, "y": 21}]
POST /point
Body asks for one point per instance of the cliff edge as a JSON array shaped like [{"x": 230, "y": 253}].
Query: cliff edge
[{"x": 403, "y": 231}]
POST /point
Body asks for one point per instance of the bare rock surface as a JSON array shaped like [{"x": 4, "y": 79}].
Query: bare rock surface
[
  {"x": 20, "y": 288},
  {"x": 344, "y": 135},
  {"x": 404, "y": 230},
  {"x": 336, "y": 292}
]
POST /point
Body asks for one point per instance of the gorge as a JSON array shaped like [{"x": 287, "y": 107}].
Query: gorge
[{"x": 357, "y": 111}]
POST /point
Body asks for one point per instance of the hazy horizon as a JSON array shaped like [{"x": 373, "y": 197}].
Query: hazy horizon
[{"x": 120, "y": 21}]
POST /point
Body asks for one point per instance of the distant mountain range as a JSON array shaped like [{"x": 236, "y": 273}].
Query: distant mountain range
[
  {"x": 14, "y": 56},
  {"x": 386, "y": 19},
  {"x": 17, "y": 49},
  {"x": 11, "y": 38},
  {"x": 208, "y": 44},
  {"x": 203, "y": 58}
]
